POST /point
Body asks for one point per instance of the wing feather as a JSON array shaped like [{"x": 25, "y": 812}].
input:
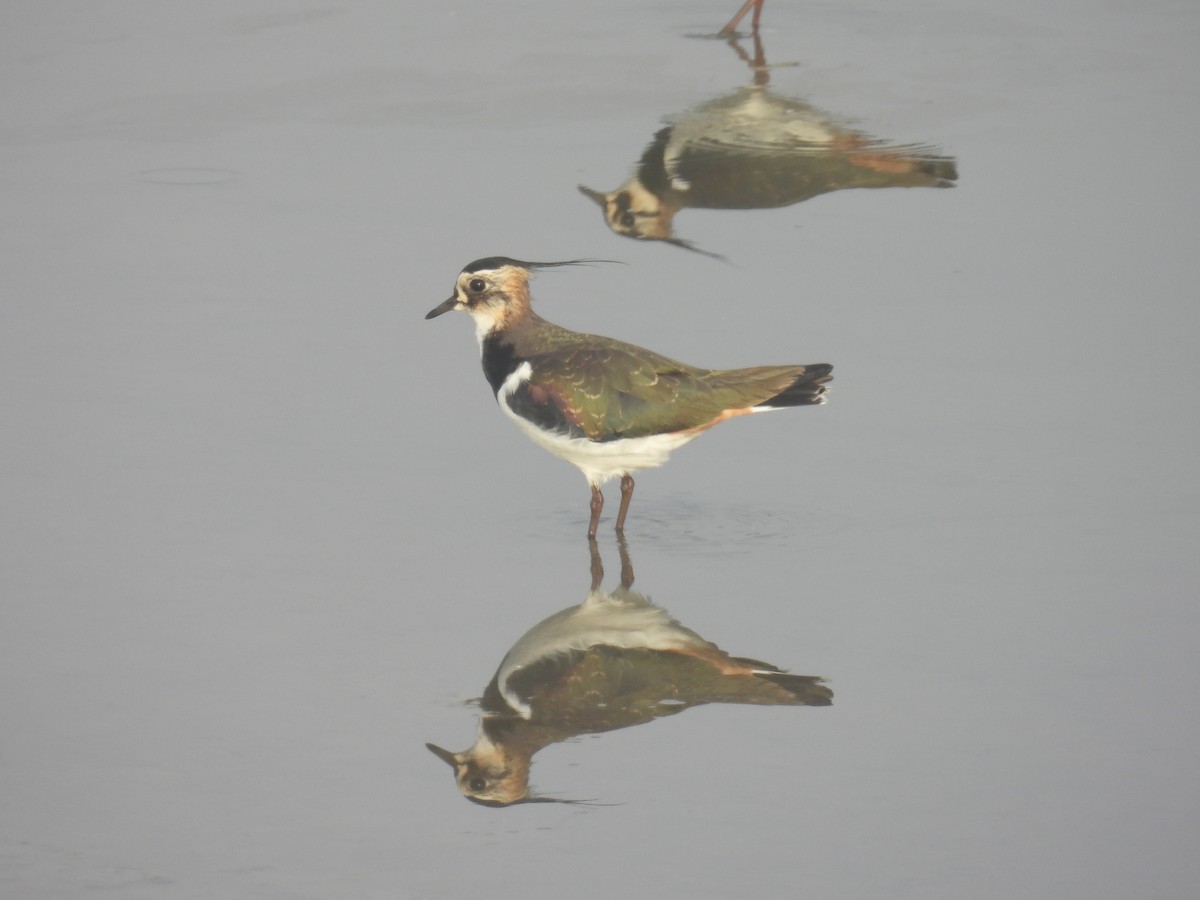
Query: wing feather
[{"x": 603, "y": 390}]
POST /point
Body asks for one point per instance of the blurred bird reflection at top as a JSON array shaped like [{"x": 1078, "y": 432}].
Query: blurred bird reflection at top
[
  {"x": 755, "y": 149},
  {"x": 613, "y": 661}
]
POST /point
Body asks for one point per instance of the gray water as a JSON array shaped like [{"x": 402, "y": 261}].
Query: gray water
[{"x": 265, "y": 532}]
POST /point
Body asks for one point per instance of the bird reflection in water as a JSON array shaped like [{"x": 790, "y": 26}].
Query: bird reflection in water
[
  {"x": 755, "y": 149},
  {"x": 613, "y": 661}
]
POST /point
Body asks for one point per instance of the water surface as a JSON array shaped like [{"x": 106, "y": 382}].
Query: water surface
[{"x": 265, "y": 532}]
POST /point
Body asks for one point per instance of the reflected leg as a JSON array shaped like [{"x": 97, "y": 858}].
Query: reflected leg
[
  {"x": 597, "y": 567},
  {"x": 626, "y": 563},
  {"x": 731, "y": 25}
]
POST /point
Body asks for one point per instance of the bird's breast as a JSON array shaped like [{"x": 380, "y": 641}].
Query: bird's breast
[{"x": 500, "y": 361}]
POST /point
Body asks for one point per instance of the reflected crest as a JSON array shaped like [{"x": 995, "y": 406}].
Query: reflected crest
[
  {"x": 613, "y": 661},
  {"x": 755, "y": 149}
]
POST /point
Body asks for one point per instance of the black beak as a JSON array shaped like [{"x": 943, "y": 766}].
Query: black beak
[
  {"x": 444, "y": 307},
  {"x": 688, "y": 245},
  {"x": 444, "y": 755},
  {"x": 600, "y": 199}
]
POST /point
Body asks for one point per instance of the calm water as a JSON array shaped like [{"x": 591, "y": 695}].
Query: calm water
[{"x": 266, "y": 534}]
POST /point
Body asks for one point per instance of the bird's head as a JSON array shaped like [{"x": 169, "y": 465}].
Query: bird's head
[
  {"x": 495, "y": 291},
  {"x": 633, "y": 211},
  {"x": 487, "y": 774},
  {"x": 494, "y": 775}
]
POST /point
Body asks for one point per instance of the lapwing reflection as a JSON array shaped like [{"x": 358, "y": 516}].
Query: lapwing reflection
[
  {"x": 755, "y": 149},
  {"x": 613, "y": 661}
]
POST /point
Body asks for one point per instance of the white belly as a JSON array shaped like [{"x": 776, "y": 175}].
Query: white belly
[{"x": 598, "y": 460}]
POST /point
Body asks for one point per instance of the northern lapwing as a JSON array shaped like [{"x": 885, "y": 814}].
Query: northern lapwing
[
  {"x": 757, "y": 149},
  {"x": 614, "y": 661},
  {"x": 606, "y": 406}
]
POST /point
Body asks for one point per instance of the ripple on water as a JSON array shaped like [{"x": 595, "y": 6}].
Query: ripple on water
[
  {"x": 186, "y": 176},
  {"x": 686, "y": 524}
]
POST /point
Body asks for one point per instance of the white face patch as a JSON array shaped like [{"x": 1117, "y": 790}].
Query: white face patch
[
  {"x": 486, "y": 321},
  {"x": 503, "y": 299}
]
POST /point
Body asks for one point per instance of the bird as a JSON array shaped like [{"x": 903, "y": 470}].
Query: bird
[
  {"x": 613, "y": 661},
  {"x": 608, "y": 407},
  {"x": 755, "y": 148},
  {"x": 730, "y": 27}
]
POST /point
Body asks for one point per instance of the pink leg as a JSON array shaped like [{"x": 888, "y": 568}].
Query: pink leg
[
  {"x": 597, "y": 505},
  {"x": 626, "y": 496}
]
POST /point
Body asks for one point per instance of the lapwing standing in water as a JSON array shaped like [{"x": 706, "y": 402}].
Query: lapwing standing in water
[
  {"x": 614, "y": 661},
  {"x": 608, "y": 407}
]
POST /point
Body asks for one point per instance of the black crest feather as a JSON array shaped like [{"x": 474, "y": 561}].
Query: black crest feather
[{"x": 495, "y": 262}]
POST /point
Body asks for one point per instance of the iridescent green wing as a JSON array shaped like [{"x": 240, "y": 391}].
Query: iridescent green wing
[{"x": 606, "y": 390}]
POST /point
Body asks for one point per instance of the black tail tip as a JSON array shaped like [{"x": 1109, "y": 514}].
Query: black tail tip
[
  {"x": 809, "y": 690},
  {"x": 807, "y": 389}
]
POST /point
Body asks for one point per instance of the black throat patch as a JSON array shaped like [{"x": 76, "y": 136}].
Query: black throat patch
[{"x": 499, "y": 360}]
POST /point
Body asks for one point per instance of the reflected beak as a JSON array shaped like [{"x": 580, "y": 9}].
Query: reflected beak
[
  {"x": 688, "y": 245},
  {"x": 595, "y": 196},
  {"x": 444, "y": 307},
  {"x": 444, "y": 755}
]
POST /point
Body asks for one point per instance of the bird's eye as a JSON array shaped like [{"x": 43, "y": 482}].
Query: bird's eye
[
  {"x": 477, "y": 784},
  {"x": 477, "y": 285},
  {"x": 627, "y": 220}
]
